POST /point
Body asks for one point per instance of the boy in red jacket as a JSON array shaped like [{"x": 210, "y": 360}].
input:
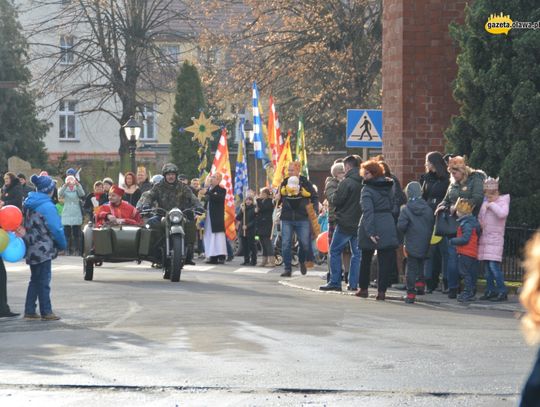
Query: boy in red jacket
[{"x": 467, "y": 248}]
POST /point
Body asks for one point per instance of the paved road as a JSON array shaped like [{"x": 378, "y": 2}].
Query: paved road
[{"x": 228, "y": 335}]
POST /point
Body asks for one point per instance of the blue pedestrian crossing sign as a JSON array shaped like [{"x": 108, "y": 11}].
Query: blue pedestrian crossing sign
[{"x": 364, "y": 128}]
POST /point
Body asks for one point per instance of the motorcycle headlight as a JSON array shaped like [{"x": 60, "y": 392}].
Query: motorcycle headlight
[{"x": 175, "y": 216}]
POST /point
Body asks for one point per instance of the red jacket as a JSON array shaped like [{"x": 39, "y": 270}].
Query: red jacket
[
  {"x": 466, "y": 241},
  {"x": 125, "y": 211}
]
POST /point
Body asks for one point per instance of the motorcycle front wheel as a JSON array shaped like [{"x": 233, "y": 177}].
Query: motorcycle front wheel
[{"x": 177, "y": 260}]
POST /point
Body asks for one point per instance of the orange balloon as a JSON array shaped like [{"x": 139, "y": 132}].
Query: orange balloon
[
  {"x": 322, "y": 242},
  {"x": 10, "y": 218}
]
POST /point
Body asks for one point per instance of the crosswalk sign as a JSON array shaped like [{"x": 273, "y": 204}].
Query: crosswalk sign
[{"x": 364, "y": 128}]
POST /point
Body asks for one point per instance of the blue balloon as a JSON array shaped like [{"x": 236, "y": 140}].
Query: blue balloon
[{"x": 15, "y": 250}]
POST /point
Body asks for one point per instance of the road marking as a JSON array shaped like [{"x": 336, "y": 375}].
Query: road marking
[
  {"x": 133, "y": 309},
  {"x": 252, "y": 270}
]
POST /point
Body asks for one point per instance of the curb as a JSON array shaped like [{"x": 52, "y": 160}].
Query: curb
[{"x": 419, "y": 300}]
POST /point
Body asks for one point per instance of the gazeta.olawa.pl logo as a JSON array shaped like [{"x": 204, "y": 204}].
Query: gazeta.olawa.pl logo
[
  {"x": 498, "y": 24},
  {"x": 501, "y": 24}
]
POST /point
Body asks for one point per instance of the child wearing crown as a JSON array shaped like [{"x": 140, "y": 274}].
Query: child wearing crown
[
  {"x": 492, "y": 218},
  {"x": 466, "y": 243}
]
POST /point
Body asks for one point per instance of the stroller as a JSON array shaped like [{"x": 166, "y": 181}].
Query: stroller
[{"x": 277, "y": 250}]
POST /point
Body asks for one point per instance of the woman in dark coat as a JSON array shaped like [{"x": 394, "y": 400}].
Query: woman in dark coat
[
  {"x": 265, "y": 209},
  {"x": 215, "y": 245},
  {"x": 435, "y": 182},
  {"x": 377, "y": 228},
  {"x": 12, "y": 192}
]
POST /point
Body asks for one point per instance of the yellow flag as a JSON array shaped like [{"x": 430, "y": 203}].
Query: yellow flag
[{"x": 283, "y": 164}]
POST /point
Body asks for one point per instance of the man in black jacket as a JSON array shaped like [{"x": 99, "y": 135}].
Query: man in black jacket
[
  {"x": 348, "y": 211},
  {"x": 294, "y": 199}
]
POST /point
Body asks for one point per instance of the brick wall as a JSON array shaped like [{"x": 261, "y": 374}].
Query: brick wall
[{"x": 419, "y": 65}]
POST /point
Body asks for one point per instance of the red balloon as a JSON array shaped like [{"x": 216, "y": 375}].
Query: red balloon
[
  {"x": 10, "y": 218},
  {"x": 322, "y": 242}
]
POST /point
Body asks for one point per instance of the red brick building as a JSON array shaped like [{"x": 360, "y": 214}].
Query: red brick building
[{"x": 419, "y": 65}]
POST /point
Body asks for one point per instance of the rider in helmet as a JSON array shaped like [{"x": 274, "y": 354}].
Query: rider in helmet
[{"x": 170, "y": 193}]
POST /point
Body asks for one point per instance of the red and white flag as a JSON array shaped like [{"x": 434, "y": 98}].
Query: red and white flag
[{"x": 222, "y": 165}]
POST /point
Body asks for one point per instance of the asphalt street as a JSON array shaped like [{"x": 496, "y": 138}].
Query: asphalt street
[{"x": 231, "y": 335}]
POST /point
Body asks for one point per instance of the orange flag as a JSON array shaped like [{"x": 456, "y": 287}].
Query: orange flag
[
  {"x": 283, "y": 164},
  {"x": 222, "y": 164}
]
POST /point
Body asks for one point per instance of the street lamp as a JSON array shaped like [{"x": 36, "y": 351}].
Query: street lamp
[
  {"x": 132, "y": 130},
  {"x": 248, "y": 130}
]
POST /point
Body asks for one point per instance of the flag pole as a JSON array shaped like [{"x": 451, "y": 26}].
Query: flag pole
[{"x": 256, "y": 176}]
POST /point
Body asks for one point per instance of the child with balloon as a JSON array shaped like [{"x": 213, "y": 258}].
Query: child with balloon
[
  {"x": 11, "y": 249},
  {"x": 44, "y": 237}
]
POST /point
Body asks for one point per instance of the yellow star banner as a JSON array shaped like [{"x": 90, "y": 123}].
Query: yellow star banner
[{"x": 202, "y": 128}]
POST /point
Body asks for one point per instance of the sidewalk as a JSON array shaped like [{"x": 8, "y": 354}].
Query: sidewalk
[{"x": 312, "y": 283}]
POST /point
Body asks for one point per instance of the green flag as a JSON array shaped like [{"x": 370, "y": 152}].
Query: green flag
[{"x": 301, "y": 153}]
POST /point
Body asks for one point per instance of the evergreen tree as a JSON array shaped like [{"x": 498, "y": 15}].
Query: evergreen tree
[
  {"x": 189, "y": 102},
  {"x": 498, "y": 89},
  {"x": 21, "y": 132}
]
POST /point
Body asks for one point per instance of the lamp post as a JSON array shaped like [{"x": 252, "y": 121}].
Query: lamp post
[
  {"x": 248, "y": 131},
  {"x": 132, "y": 130}
]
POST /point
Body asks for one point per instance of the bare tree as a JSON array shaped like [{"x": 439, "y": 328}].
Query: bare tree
[
  {"x": 111, "y": 55},
  {"x": 317, "y": 58}
]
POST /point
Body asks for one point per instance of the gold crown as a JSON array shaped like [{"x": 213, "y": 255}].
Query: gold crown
[{"x": 464, "y": 206}]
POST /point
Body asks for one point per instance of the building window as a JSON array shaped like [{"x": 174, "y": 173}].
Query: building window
[
  {"x": 66, "y": 49},
  {"x": 149, "y": 130},
  {"x": 67, "y": 122},
  {"x": 170, "y": 54}
]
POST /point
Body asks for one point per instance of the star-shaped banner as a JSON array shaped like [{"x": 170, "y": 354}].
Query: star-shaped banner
[{"x": 202, "y": 128}]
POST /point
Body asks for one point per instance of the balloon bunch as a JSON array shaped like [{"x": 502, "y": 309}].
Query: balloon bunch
[{"x": 12, "y": 247}]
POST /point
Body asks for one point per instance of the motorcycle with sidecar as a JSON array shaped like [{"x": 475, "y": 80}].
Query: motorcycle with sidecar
[{"x": 161, "y": 241}]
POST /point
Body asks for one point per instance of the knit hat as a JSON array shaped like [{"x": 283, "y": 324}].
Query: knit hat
[
  {"x": 108, "y": 181},
  {"x": 491, "y": 184},
  {"x": 43, "y": 183},
  {"x": 71, "y": 171},
  {"x": 413, "y": 190}
]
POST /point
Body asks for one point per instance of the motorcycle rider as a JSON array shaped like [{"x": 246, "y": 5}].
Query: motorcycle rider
[{"x": 170, "y": 193}]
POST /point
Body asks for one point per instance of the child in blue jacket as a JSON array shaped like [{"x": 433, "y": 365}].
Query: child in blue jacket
[{"x": 44, "y": 237}]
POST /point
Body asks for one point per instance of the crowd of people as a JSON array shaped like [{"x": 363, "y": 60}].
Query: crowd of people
[
  {"x": 368, "y": 212},
  {"x": 446, "y": 224}
]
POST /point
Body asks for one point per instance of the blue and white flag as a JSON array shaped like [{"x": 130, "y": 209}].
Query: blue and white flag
[
  {"x": 259, "y": 146},
  {"x": 241, "y": 171}
]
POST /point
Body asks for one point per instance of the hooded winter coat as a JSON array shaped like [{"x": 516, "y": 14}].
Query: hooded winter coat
[
  {"x": 416, "y": 223},
  {"x": 72, "y": 213},
  {"x": 433, "y": 188},
  {"x": 44, "y": 230},
  {"x": 377, "y": 204},
  {"x": 347, "y": 202},
  {"x": 492, "y": 218}
]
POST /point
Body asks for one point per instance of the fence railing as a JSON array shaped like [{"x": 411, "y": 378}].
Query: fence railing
[{"x": 515, "y": 238}]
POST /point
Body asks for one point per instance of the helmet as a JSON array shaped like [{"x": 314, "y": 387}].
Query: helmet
[
  {"x": 156, "y": 179},
  {"x": 168, "y": 168}
]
